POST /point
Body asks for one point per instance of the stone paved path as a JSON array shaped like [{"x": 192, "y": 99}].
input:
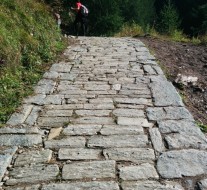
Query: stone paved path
[{"x": 105, "y": 119}]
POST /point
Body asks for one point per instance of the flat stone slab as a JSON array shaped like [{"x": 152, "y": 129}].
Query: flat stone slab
[
  {"x": 139, "y": 101},
  {"x": 121, "y": 130},
  {"x": 94, "y": 185},
  {"x": 182, "y": 141},
  {"x": 52, "y": 121},
  {"x": 133, "y": 121},
  {"x": 70, "y": 142},
  {"x": 135, "y": 155},
  {"x": 20, "y": 140},
  {"x": 20, "y": 117},
  {"x": 156, "y": 139},
  {"x": 57, "y": 113},
  {"x": 202, "y": 184},
  {"x": 5, "y": 159},
  {"x": 128, "y": 113},
  {"x": 101, "y": 113},
  {"x": 82, "y": 129},
  {"x": 61, "y": 67},
  {"x": 31, "y": 187},
  {"x": 79, "y": 154},
  {"x": 182, "y": 127},
  {"x": 94, "y": 169},
  {"x": 143, "y": 171},
  {"x": 168, "y": 113},
  {"x": 33, "y": 174},
  {"x": 176, "y": 164},
  {"x": 94, "y": 120},
  {"x": 150, "y": 185},
  {"x": 19, "y": 130},
  {"x": 32, "y": 157},
  {"x": 164, "y": 93},
  {"x": 119, "y": 141}
]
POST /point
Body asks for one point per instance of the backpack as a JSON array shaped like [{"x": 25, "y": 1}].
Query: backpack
[{"x": 83, "y": 10}]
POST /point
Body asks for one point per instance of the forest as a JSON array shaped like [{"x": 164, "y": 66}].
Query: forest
[{"x": 165, "y": 16}]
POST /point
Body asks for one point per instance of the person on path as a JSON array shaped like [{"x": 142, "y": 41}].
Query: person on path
[
  {"x": 80, "y": 17},
  {"x": 57, "y": 17}
]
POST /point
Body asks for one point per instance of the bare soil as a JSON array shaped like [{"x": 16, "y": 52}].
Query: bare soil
[{"x": 185, "y": 59}]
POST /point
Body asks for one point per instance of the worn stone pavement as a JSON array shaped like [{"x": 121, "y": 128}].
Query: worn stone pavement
[{"x": 106, "y": 118}]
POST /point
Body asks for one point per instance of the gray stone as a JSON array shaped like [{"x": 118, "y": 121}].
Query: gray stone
[
  {"x": 92, "y": 169},
  {"x": 135, "y": 155},
  {"x": 96, "y": 87},
  {"x": 101, "y": 100},
  {"x": 5, "y": 159},
  {"x": 149, "y": 70},
  {"x": 32, "y": 118},
  {"x": 32, "y": 157},
  {"x": 94, "y": 185},
  {"x": 164, "y": 93},
  {"x": 182, "y": 126},
  {"x": 37, "y": 99},
  {"x": 133, "y": 121},
  {"x": 20, "y": 117},
  {"x": 52, "y": 121},
  {"x": 143, "y": 171},
  {"x": 61, "y": 67},
  {"x": 150, "y": 185},
  {"x": 85, "y": 129},
  {"x": 54, "y": 99},
  {"x": 130, "y": 106},
  {"x": 68, "y": 76},
  {"x": 70, "y": 142},
  {"x": 116, "y": 87},
  {"x": 174, "y": 113},
  {"x": 33, "y": 174},
  {"x": 79, "y": 154},
  {"x": 178, "y": 141},
  {"x": 64, "y": 107},
  {"x": 57, "y": 113},
  {"x": 19, "y": 130},
  {"x": 156, "y": 139},
  {"x": 31, "y": 187},
  {"x": 202, "y": 184},
  {"x": 45, "y": 86},
  {"x": 94, "y": 120},
  {"x": 176, "y": 164},
  {"x": 138, "y": 101},
  {"x": 20, "y": 140},
  {"x": 128, "y": 113},
  {"x": 51, "y": 75},
  {"x": 99, "y": 106},
  {"x": 121, "y": 130},
  {"x": 100, "y": 113},
  {"x": 158, "y": 70},
  {"x": 117, "y": 141}
]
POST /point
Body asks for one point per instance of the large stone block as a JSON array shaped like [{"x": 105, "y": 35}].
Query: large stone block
[{"x": 84, "y": 170}]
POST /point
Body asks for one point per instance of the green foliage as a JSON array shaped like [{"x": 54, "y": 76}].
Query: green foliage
[
  {"x": 202, "y": 127},
  {"x": 28, "y": 39},
  {"x": 131, "y": 30},
  {"x": 169, "y": 18}
]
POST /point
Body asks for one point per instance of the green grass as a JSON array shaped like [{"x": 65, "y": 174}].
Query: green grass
[
  {"x": 202, "y": 127},
  {"x": 29, "y": 40}
]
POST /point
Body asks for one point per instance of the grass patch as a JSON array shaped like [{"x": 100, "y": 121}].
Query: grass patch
[
  {"x": 202, "y": 127},
  {"x": 29, "y": 41}
]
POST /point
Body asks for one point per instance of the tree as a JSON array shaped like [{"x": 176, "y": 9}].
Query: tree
[{"x": 169, "y": 18}]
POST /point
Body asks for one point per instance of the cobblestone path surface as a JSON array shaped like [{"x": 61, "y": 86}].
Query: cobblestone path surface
[{"x": 104, "y": 119}]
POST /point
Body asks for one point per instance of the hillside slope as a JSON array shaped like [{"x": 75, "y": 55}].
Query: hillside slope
[{"x": 29, "y": 38}]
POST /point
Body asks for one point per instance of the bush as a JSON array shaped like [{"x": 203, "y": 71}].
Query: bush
[{"x": 29, "y": 38}]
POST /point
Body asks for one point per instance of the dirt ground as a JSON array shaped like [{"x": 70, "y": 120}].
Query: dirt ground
[{"x": 185, "y": 59}]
